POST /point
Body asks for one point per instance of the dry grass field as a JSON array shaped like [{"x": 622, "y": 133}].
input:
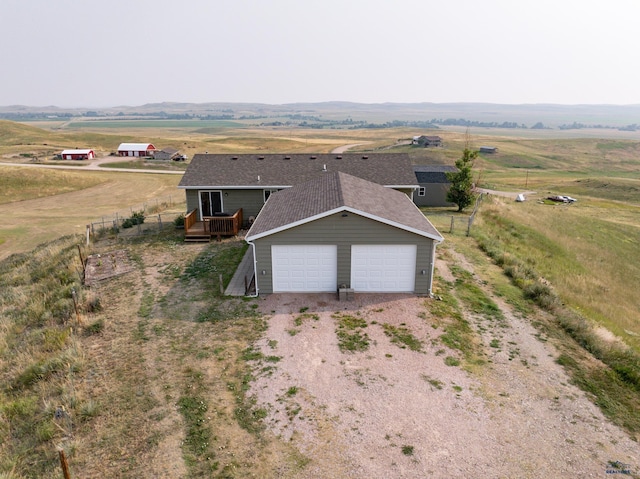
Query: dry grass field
[{"x": 41, "y": 205}]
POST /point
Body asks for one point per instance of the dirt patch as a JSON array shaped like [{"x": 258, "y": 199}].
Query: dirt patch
[
  {"x": 100, "y": 267},
  {"x": 390, "y": 411}
]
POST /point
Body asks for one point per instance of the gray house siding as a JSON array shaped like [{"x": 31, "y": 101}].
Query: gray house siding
[
  {"x": 435, "y": 195},
  {"x": 251, "y": 201},
  {"x": 344, "y": 231},
  {"x": 192, "y": 200}
]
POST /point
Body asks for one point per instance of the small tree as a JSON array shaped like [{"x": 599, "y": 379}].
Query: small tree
[{"x": 461, "y": 190}]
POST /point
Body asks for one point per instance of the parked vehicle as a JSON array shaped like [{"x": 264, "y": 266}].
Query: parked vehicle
[{"x": 561, "y": 199}]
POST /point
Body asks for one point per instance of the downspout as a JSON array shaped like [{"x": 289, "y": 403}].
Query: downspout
[
  {"x": 255, "y": 269},
  {"x": 433, "y": 264}
]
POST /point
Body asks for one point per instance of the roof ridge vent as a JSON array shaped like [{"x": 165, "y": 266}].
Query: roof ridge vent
[
  {"x": 261, "y": 157},
  {"x": 365, "y": 157},
  {"x": 339, "y": 157},
  {"x": 234, "y": 157},
  {"x": 287, "y": 157},
  {"x": 313, "y": 157}
]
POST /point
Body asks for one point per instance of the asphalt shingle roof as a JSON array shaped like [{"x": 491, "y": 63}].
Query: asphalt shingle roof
[
  {"x": 335, "y": 191},
  {"x": 283, "y": 170},
  {"x": 433, "y": 173}
]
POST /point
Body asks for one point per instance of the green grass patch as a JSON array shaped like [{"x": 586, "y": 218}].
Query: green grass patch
[
  {"x": 401, "y": 336},
  {"x": 197, "y": 447},
  {"x": 457, "y": 334},
  {"x": 451, "y": 361},
  {"x": 300, "y": 319},
  {"x": 407, "y": 450},
  {"x": 350, "y": 331},
  {"x": 436, "y": 383},
  {"x": 474, "y": 297}
]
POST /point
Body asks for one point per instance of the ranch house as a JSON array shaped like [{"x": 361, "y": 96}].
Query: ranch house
[
  {"x": 433, "y": 185},
  {"x": 225, "y": 192}
]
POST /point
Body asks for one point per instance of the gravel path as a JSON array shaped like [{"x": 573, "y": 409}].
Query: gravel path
[{"x": 398, "y": 413}]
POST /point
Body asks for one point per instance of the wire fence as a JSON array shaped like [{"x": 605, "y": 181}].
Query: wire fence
[
  {"x": 145, "y": 218},
  {"x": 455, "y": 223},
  {"x": 137, "y": 225}
]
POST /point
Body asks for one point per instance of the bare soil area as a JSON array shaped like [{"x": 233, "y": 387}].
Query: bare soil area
[
  {"x": 391, "y": 410},
  {"x": 395, "y": 412},
  {"x": 103, "y": 266}
]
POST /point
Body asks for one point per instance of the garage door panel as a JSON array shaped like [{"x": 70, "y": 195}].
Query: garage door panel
[
  {"x": 304, "y": 268},
  {"x": 383, "y": 268}
]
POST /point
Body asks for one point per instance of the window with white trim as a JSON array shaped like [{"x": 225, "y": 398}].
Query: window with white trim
[{"x": 422, "y": 191}]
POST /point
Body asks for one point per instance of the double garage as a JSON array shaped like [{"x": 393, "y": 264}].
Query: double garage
[
  {"x": 314, "y": 268},
  {"x": 344, "y": 250}
]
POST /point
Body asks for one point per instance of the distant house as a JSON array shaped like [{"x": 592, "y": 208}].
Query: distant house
[
  {"x": 433, "y": 185},
  {"x": 167, "y": 154},
  {"x": 86, "y": 154},
  {"x": 335, "y": 230},
  {"x": 488, "y": 149},
  {"x": 135, "y": 149},
  {"x": 427, "y": 141}
]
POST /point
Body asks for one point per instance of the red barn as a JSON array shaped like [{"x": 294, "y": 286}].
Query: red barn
[
  {"x": 78, "y": 154},
  {"x": 136, "y": 149}
]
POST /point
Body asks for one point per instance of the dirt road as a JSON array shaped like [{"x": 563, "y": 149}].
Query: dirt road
[{"x": 93, "y": 165}]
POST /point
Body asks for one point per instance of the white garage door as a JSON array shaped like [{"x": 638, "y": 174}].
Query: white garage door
[
  {"x": 304, "y": 268},
  {"x": 383, "y": 268}
]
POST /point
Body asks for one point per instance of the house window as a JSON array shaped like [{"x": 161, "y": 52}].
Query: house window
[
  {"x": 267, "y": 193},
  {"x": 422, "y": 191}
]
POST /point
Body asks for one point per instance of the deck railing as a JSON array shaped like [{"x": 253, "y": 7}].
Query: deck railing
[
  {"x": 223, "y": 225},
  {"x": 228, "y": 225},
  {"x": 190, "y": 219}
]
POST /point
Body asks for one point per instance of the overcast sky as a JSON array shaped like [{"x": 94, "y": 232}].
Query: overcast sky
[{"x": 98, "y": 53}]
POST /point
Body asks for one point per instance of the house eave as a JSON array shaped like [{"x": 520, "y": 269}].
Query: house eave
[
  {"x": 265, "y": 186},
  {"x": 233, "y": 187}
]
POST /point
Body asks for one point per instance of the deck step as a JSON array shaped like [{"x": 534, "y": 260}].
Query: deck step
[{"x": 198, "y": 238}]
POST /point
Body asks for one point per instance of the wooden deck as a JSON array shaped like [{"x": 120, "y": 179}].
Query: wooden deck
[{"x": 211, "y": 226}]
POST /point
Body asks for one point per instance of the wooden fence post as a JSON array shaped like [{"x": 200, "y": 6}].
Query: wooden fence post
[
  {"x": 81, "y": 258},
  {"x": 74, "y": 296},
  {"x": 160, "y": 220},
  {"x": 64, "y": 464},
  {"x": 451, "y": 227}
]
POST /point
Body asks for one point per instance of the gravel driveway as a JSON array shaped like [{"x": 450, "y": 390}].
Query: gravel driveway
[{"x": 389, "y": 412}]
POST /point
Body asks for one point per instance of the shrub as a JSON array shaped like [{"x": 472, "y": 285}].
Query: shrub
[
  {"x": 94, "y": 328},
  {"x": 178, "y": 222},
  {"x": 136, "y": 218}
]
